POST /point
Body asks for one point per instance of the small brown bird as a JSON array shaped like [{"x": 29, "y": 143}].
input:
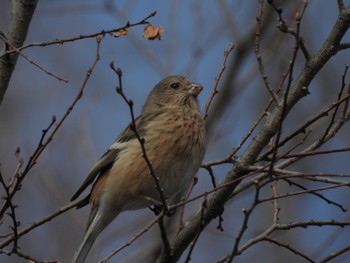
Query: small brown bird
[{"x": 174, "y": 140}]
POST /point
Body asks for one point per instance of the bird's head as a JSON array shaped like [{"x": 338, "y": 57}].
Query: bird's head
[{"x": 173, "y": 91}]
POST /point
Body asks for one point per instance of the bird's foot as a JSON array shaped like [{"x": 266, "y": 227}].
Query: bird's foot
[{"x": 157, "y": 209}]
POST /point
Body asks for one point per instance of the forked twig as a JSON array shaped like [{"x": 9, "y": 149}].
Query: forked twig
[{"x": 30, "y": 60}]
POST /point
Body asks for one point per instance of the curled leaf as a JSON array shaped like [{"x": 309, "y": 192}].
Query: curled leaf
[{"x": 152, "y": 32}]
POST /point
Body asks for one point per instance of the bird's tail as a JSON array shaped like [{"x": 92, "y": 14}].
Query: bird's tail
[{"x": 94, "y": 228}]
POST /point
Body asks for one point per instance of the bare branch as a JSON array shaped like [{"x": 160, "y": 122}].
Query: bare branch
[
  {"x": 341, "y": 5},
  {"x": 335, "y": 254},
  {"x": 308, "y": 191},
  {"x": 200, "y": 228},
  {"x": 164, "y": 203},
  {"x": 99, "y": 34},
  {"x": 344, "y": 46},
  {"x": 141, "y": 140},
  {"x": 135, "y": 237},
  {"x": 258, "y": 55},
  {"x": 247, "y": 213},
  {"x": 12, "y": 214},
  {"x": 217, "y": 79},
  {"x": 288, "y": 247},
  {"x": 302, "y": 128},
  {"x": 268, "y": 130},
  {"x": 45, "y": 141},
  {"x": 40, "y": 222},
  {"x": 30, "y": 60}
]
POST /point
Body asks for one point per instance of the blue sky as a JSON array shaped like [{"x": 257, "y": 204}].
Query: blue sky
[{"x": 196, "y": 34}]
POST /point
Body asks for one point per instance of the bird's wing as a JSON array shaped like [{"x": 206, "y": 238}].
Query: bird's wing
[
  {"x": 107, "y": 160},
  {"x": 103, "y": 164},
  {"x": 129, "y": 134}
]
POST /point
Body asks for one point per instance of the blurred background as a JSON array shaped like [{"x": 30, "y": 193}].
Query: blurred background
[{"x": 195, "y": 37}]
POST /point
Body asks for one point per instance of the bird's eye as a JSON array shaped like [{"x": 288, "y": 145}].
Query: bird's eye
[{"x": 175, "y": 85}]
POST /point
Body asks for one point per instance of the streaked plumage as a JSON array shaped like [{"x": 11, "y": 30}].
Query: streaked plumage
[{"x": 174, "y": 133}]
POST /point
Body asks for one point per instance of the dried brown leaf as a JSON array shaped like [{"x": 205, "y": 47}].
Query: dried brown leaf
[
  {"x": 121, "y": 32},
  {"x": 152, "y": 32}
]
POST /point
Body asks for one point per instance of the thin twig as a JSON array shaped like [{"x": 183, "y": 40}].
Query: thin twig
[
  {"x": 276, "y": 208},
  {"x": 182, "y": 208},
  {"x": 165, "y": 207},
  {"x": 346, "y": 104},
  {"x": 17, "y": 170},
  {"x": 45, "y": 141},
  {"x": 285, "y": 175},
  {"x": 298, "y": 37},
  {"x": 31, "y": 61},
  {"x": 99, "y": 34},
  {"x": 325, "y": 134},
  {"x": 317, "y": 194},
  {"x": 128, "y": 243},
  {"x": 244, "y": 226},
  {"x": 303, "y": 127},
  {"x": 335, "y": 254},
  {"x": 283, "y": 27},
  {"x": 40, "y": 222},
  {"x": 228, "y": 158},
  {"x": 141, "y": 140},
  {"x": 18, "y": 177},
  {"x": 288, "y": 247},
  {"x": 33, "y": 260},
  {"x": 258, "y": 55},
  {"x": 12, "y": 214},
  {"x": 217, "y": 79},
  {"x": 284, "y": 109},
  {"x": 318, "y": 143},
  {"x": 289, "y": 174},
  {"x": 200, "y": 228},
  {"x": 306, "y": 191},
  {"x": 301, "y": 142},
  {"x": 278, "y": 227},
  {"x": 313, "y": 153}
]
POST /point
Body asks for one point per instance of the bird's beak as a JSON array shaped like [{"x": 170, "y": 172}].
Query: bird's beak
[{"x": 194, "y": 89}]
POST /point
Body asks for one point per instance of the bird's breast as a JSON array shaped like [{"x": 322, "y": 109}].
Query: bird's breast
[
  {"x": 177, "y": 135},
  {"x": 175, "y": 144}
]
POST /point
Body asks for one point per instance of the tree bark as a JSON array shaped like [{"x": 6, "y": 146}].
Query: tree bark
[{"x": 22, "y": 13}]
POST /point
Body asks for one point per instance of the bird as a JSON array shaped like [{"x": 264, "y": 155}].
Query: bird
[{"x": 173, "y": 134}]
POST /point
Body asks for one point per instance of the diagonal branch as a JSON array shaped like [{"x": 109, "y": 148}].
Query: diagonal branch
[{"x": 217, "y": 201}]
